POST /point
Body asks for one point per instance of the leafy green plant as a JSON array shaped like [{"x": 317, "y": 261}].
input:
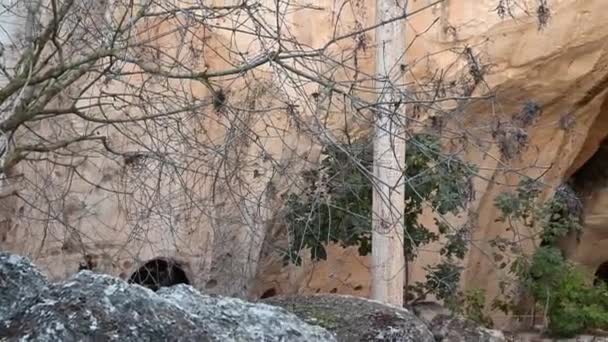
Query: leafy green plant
[
  {"x": 441, "y": 280},
  {"x": 336, "y": 204},
  {"x": 555, "y": 218},
  {"x": 564, "y": 293},
  {"x": 471, "y": 304},
  {"x": 560, "y": 290}
]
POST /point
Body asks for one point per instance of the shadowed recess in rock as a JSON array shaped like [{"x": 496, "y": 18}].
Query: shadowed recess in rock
[
  {"x": 269, "y": 293},
  {"x": 594, "y": 173},
  {"x": 601, "y": 275},
  {"x": 158, "y": 273}
]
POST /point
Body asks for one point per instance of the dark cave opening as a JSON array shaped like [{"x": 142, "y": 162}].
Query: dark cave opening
[
  {"x": 594, "y": 173},
  {"x": 159, "y": 273},
  {"x": 269, "y": 293},
  {"x": 601, "y": 275}
]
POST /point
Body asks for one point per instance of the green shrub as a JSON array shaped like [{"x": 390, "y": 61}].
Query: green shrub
[
  {"x": 573, "y": 305},
  {"x": 560, "y": 290},
  {"x": 471, "y": 304}
]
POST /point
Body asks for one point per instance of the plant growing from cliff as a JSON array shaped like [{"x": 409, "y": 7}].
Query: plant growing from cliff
[
  {"x": 559, "y": 290},
  {"x": 336, "y": 206},
  {"x": 470, "y": 304},
  {"x": 507, "y": 8},
  {"x": 546, "y": 222},
  {"x": 511, "y": 135}
]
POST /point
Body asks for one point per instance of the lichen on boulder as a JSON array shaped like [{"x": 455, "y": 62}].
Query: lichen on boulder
[
  {"x": 354, "y": 319},
  {"x": 20, "y": 285},
  {"x": 232, "y": 319}
]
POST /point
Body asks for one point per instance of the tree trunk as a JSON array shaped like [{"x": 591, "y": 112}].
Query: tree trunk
[{"x": 388, "y": 262}]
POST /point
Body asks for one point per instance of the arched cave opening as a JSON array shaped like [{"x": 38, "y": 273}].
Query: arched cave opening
[
  {"x": 269, "y": 293},
  {"x": 587, "y": 180},
  {"x": 601, "y": 275},
  {"x": 159, "y": 273},
  {"x": 593, "y": 174}
]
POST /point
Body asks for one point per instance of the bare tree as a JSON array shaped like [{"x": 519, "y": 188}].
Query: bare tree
[{"x": 137, "y": 125}]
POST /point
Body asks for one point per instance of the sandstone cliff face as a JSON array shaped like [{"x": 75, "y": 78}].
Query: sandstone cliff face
[{"x": 563, "y": 68}]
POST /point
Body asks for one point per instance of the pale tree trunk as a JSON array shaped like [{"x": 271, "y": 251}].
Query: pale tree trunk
[{"x": 388, "y": 262}]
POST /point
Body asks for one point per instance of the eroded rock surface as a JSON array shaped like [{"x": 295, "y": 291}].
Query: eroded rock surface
[
  {"x": 233, "y": 319},
  {"x": 354, "y": 319},
  {"x": 94, "y": 307},
  {"x": 20, "y": 285},
  {"x": 447, "y": 328}
]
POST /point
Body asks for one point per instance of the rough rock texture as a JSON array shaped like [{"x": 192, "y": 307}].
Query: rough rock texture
[
  {"x": 234, "y": 319},
  {"x": 457, "y": 329},
  {"x": 447, "y": 327},
  {"x": 94, "y": 307},
  {"x": 354, "y": 319},
  {"x": 427, "y": 311},
  {"x": 100, "y": 307},
  {"x": 20, "y": 285},
  {"x": 538, "y": 337}
]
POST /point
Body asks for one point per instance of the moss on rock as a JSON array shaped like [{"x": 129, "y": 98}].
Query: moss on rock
[{"x": 356, "y": 319}]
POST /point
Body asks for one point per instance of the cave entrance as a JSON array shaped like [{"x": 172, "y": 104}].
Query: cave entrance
[
  {"x": 159, "y": 273},
  {"x": 593, "y": 174},
  {"x": 601, "y": 275},
  {"x": 269, "y": 293}
]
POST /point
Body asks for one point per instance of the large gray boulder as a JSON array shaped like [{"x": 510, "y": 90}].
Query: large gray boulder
[
  {"x": 95, "y": 307},
  {"x": 92, "y": 307},
  {"x": 354, "y": 319}
]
